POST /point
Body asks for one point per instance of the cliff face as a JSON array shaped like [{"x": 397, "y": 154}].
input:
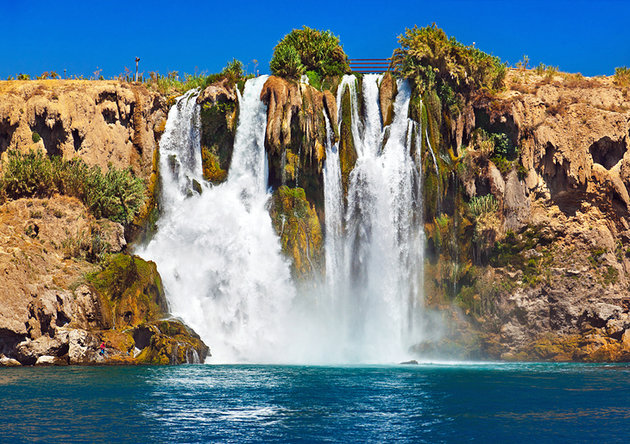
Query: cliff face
[
  {"x": 542, "y": 274},
  {"x": 552, "y": 280},
  {"x": 67, "y": 284},
  {"x": 537, "y": 260},
  {"x": 101, "y": 122},
  {"x": 296, "y": 150}
]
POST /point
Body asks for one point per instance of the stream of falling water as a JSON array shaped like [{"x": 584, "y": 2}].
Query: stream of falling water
[
  {"x": 381, "y": 251},
  {"x": 217, "y": 252},
  {"x": 221, "y": 262}
]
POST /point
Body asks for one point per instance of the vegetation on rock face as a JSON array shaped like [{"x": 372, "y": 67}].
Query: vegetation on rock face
[
  {"x": 134, "y": 305},
  {"x": 299, "y": 229},
  {"x": 622, "y": 76},
  {"x": 132, "y": 288},
  {"x": 218, "y": 129},
  {"x": 169, "y": 342},
  {"x": 347, "y": 151},
  {"x": 432, "y": 60},
  {"x": 116, "y": 194},
  {"x": 173, "y": 84},
  {"x": 309, "y": 49}
]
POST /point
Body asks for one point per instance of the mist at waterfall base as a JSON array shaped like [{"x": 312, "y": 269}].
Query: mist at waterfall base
[{"x": 221, "y": 262}]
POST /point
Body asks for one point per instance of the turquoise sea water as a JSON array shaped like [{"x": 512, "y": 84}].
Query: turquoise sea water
[{"x": 249, "y": 403}]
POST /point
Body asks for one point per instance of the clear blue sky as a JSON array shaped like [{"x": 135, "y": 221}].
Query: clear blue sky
[{"x": 591, "y": 37}]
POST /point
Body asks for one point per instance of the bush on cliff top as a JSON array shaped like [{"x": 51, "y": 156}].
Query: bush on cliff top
[
  {"x": 233, "y": 72},
  {"x": 622, "y": 76},
  {"x": 309, "y": 49},
  {"x": 431, "y": 59},
  {"x": 116, "y": 195}
]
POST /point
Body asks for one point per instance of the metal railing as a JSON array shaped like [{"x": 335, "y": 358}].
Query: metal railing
[{"x": 369, "y": 66}]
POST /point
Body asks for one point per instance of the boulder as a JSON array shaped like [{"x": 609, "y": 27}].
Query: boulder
[
  {"x": 9, "y": 362},
  {"x": 387, "y": 95},
  {"x": 82, "y": 347},
  {"x": 50, "y": 360},
  {"x": 30, "y": 350}
]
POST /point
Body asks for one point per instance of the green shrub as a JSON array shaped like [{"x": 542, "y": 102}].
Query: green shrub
[
  {"x": 494, "y": 144},
  {"x": 547, "y": 70},
  {"x": 481, "y": 205},
  {"x": 27, "y": 175},
  {"x": 286, "y": 62},
  {"x": 115, "y": 195},
  {"x": 622, "y": 76},
  {"x": 309, "y": 49},
  {"x": 432, "y": 60},
  {"x": 36, "y": 137},
  {"x": 314, "y": 79}
]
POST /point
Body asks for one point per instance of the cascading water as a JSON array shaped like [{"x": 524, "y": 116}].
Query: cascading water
[
  {"x": 217, "y": 252},
  {"x": 220, "y": 258},
  {"x": 379, "y": 292}
]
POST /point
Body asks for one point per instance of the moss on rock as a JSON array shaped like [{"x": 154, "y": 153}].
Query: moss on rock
[
  {"x": 298, "y": 226},
  {"x": 347, "y": 150},
  {"x": 169, "y": 342},
  {"x": 132, "y": 288},
  {"x": 218, "y": 129},
  {"x": 134, "y": 305}
]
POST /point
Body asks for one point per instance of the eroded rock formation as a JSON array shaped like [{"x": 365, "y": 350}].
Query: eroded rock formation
[
  {"x": 66, "y": 283},
  {"x": 101, "y": 122},
  {"x": 555, "y": 286}
]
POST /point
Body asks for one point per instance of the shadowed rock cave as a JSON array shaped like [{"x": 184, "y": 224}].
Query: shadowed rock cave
[
  {"x": 53, "y": 137},
  {"x": 6, "y": 133},
  {"x": 608, "y": 152}
]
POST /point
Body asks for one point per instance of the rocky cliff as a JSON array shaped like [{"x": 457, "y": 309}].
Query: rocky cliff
[
  {"x": 101, "y": 122},
  {"x": 526, "y": 214},
  {"x": 67, "y": 283},
  {"x": 546, "y": 276}
]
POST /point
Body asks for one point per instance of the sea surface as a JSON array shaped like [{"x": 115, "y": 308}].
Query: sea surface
[{"x": 453, "y": 402}]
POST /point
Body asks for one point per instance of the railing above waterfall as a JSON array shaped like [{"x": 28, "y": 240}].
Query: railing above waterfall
[{"x": 370, "y": 66}]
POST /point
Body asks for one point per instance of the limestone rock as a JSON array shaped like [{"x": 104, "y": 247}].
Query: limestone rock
[
  {"x": 495, "y": 179},
  {"x": 516, "y": 203},
  {"x": 30, "y": 350},
  {"x": 9, "y": 362},
  {"x": 219, "y": 110},
  {"x": 387, "y": 95},
  {"x": 82, "y": 347},
  {"x": 50, "y": 360},
  {"x": 219, "y": 92},
  {"x": 169, "y": 342},
  {"x": 298, "y": 226},
  {"x": 296, "y": 134},
  {"x": 101, "y": 122}
]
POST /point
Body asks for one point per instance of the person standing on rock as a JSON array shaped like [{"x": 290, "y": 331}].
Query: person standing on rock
[{"x": 102, "y": 351}]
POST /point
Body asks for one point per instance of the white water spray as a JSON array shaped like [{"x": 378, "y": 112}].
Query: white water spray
[
  {"x": 217, "y": 252},
  {"x": 375, "y": 270}
]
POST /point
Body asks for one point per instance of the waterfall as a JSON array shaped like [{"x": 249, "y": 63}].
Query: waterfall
[
  {"x": 217, "y": 252},
  {"x": 374, "y": 266},
  {"x": 220, "y": 258},
  {"x": 333, "y": 210}
]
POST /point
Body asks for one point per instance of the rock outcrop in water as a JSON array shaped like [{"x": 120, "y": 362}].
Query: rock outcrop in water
[{"x": 67, "y": 283}]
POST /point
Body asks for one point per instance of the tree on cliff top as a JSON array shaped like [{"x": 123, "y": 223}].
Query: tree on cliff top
[
  {"x": 432, "y": 60},
  {"x": 309, "y": 49}
]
